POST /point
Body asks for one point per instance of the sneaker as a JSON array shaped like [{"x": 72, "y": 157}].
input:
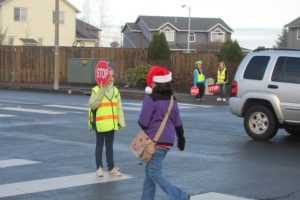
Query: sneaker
[
  {"x": 115, "y": 172},
  {"x": 219, "y": 99},
  {"x": 198, "y": 99},
  {"x": 224, "y": 99},
  {"x": 202, "y": 99},
  {"x": 100, "y": 172}
]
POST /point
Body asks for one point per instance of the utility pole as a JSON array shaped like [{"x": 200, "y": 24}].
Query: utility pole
[
  {"x": 56, "y": 49},
  {"x": 189, "y": 27}
]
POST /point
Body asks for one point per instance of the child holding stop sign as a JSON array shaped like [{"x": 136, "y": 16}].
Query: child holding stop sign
[{"x": 105, "y": 117}]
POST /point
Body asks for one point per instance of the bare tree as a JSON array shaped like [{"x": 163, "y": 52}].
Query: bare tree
[{"x": 2, "y": 35}]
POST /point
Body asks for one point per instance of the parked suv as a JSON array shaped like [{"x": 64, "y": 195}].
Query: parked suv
[{"x": 266, "y": 92}]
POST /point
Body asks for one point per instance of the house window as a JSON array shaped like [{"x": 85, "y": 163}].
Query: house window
[
  {"x": 170, "y": 34},
  {"x": 20, "y": 14},
  {"x": 192, "y": 37},
  {"x": 298, "y": 33},
  {"x": 217, "y": 36},
  {"x": 10, "y": 41},
  {"x": 61, "y": 17}
]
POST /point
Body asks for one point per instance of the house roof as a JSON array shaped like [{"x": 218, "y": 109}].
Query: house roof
[
  {"x": 29, "y": 41},
  {"x": 85, "y": 30},
  {"x": 134, "y": 27},
  {"x": 138, "y": 38},
  {"x": 294, "y": 23},
  {"x": 181, "y": 23},
  {"x": 67, "y": 2}
]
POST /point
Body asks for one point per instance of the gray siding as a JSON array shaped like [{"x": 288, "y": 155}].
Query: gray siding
[
  {"x": 127, "y": 43},
  {"x": 202, "y": 37},
  {"x": 144, "y": 29},
  {"x": 293, "y": 43}
]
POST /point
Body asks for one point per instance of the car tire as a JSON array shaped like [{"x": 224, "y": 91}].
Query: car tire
[
  {"x": 260, "y": 123},
  {"x": 293, "y": 131}
]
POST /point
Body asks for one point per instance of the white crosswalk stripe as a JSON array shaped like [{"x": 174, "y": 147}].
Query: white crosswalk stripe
[
  {"x": 216, "y": 196},
  {"x": 30, "y": 110},
  {"x": 17, "y": 102},
  {"x": 4, "y": 115},
  {"x": 34, "y": 186},
  {"x": 126, "y": 106},
  {"x": 16, "y": 162},
  {"x": 66, "y": 107}
]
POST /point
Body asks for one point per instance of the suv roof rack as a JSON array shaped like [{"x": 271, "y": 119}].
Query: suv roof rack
[{"x": 277, "y": 49}]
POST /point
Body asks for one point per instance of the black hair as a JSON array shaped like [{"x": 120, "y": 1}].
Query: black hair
[{"x": 163, "y": 88}]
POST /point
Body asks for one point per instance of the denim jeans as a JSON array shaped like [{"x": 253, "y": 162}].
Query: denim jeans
[
  {"x": 153, "y": 176},
  {"x": 108, "y": 139},
  {"x": 222, "y": 90}
]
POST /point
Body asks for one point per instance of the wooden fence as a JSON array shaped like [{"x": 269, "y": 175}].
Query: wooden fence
[{"x": 26, "y": 64}]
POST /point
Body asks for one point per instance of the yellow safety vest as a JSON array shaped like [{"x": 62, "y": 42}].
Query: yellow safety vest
[
  {"x": 221, "y": 76},
  {"x": 201, "y": 77},
  {"x": 106, "y": 116}
]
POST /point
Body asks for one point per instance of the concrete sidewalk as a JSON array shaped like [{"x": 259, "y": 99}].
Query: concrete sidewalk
[{"x": 126, "y": 92}]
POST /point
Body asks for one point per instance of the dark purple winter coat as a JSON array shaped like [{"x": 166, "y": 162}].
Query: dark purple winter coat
[{"x": 153, "y": 111}]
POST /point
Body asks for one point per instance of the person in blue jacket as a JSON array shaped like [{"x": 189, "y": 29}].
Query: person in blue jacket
[{"x": 199, "y": 80}]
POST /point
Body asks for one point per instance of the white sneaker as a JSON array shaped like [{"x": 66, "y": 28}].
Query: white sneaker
[
  {"x": 100, "y": 172},
  {"x": 115, "y": 172},
  {"x": 224, "y": 99},
  {"x": 219, "y": 99}
]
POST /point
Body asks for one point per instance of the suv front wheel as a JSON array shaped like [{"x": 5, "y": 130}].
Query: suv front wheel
[{"x": 260, "y": 123}]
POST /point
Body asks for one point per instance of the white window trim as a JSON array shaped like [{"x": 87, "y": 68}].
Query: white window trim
[
  {"x": 220, "y": 35},
  {"x": 192, "y": 37},
  {"x": 23, "y": 11},
  {"x": 169, "y": 33}
]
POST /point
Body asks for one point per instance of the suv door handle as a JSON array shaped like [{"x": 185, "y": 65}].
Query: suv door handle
[{"x": 273, "y": 86}]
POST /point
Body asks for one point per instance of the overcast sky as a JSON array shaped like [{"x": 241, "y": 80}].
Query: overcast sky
[{"x": 255, "y": 22}]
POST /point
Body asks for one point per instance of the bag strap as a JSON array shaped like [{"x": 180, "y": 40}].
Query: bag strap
[{"x": 164, "y": 121}]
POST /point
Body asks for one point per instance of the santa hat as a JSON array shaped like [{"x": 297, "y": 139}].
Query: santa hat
[{"x": 157, "y": 74}]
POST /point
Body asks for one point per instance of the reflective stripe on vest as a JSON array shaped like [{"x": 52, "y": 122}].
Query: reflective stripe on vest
[
  {"x": 221, "y": 76},
  {"x": 107, "y": 114},
  {"x": 200, "y": 77}
]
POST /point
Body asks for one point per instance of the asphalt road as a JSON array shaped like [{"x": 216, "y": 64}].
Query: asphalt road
[{"x": 47, "y": 152}]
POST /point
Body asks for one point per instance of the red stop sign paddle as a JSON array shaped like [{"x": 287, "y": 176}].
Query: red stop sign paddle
[
  {"x": 102, "y": 73},
  {"x": 194, "y": 90}
]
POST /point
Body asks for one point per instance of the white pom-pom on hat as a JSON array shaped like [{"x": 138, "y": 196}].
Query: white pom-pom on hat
[
  {"x": 148, "y": 90},
  {"x": 157, "y": 74}
]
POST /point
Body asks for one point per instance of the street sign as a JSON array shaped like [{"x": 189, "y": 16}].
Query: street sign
[
  {"x": 194, "y": 90},
  {"x": 214, "y": 88},
  {"x": 102, "y": 73}
]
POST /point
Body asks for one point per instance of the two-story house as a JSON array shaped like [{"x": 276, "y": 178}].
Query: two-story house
[
  {"x": 293, "y": 37},
  {"x": 31, "y": 22},
  {"x": 203, "y": 31}
]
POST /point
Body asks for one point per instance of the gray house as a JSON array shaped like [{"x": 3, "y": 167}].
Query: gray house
[
  {"x": 294, "y": 34},
  {"x": 203, "y": 32}
]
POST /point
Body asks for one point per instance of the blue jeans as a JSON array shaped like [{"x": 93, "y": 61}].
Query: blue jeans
[
  {"x": 108, "y": 139},
  {"x": 222, "y": 90},
  {"x": 153, "y": 176}
]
